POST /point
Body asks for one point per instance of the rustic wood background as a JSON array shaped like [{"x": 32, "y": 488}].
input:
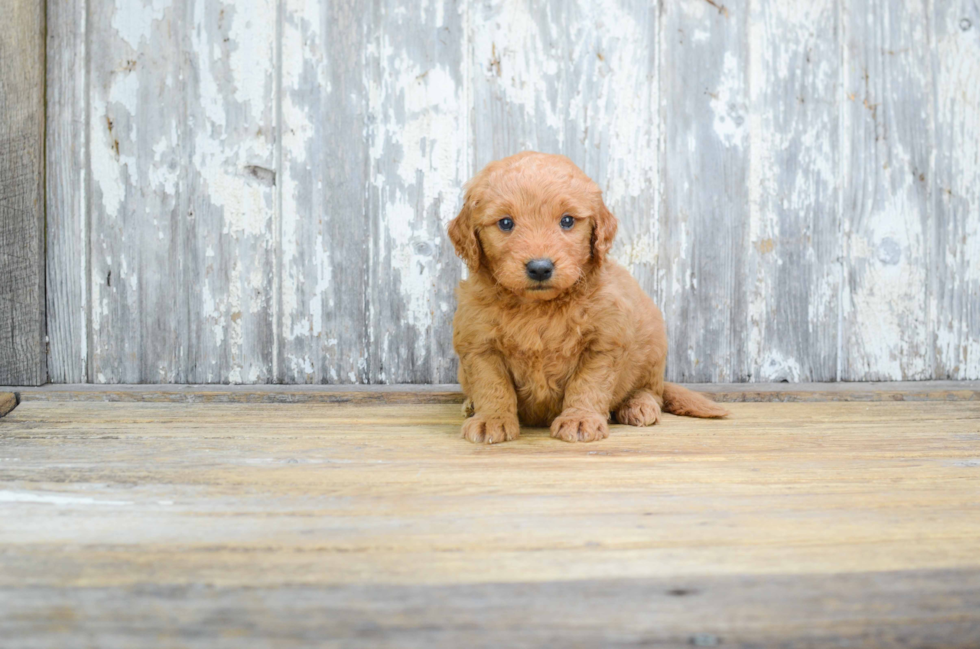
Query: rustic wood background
[
  {"x": 257, "y": 191},
  {"x": 22, "y": 349}
]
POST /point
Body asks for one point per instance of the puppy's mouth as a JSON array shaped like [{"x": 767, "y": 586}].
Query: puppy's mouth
[{"x": 541, "y": 287}]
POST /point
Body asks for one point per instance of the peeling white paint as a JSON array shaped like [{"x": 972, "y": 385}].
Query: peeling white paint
[
  {"x": 418, "y": 122},
  {"x": 134, "y": 20},
  {"x": 519, "y": 58},
  {"x": 957, "y": 176},
  {"x": 252, "y": 34},
  {"x": 729, "y": 118},
  {"x": 638, "y": 251}
]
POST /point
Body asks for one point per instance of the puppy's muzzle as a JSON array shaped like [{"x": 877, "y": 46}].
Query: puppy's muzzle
[{"x": 540, "y": 270}]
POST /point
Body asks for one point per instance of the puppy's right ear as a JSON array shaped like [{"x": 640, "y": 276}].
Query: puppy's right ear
[{"x": 463, "y": 235}]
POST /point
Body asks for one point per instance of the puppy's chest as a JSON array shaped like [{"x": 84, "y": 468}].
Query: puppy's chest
[{"x": 541, "y": 352}]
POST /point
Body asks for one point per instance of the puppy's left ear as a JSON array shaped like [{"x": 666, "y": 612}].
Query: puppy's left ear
[
  {"x": 603, "y": 233},
  {"x": 463, "y": 235}
]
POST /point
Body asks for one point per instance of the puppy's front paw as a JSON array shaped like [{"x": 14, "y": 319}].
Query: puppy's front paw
[
  {"x": 575, "y": 425},
  {"x": 490, "y": 430}
]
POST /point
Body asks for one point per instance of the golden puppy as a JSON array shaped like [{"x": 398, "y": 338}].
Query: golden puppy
[{"x": 549, "y": 331}]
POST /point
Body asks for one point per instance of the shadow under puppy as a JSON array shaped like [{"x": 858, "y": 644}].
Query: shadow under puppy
[{"x": 549, "y": 330}]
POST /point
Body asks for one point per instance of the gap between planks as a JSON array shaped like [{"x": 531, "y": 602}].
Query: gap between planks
[{"x": 450, "y": 393}]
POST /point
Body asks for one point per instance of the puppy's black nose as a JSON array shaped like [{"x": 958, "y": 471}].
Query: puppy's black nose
[{"x": 540, "y": 270}]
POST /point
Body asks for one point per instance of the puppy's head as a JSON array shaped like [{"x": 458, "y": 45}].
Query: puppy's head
[{"x": 535, "y": 223}]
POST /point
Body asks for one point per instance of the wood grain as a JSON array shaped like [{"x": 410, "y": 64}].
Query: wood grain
[
  {"x": 794, "y": 524},
  {"x": 67, "y": 175},
  {"x": 791, "y": 261},
  {"x": 182, "y": 133},
  {"x": 450, "y": 393},
  {"x": 888, "y": 114},
  {"x": 418, "y": 116},
  {"x": 22, "y": 326},
  {"x": 704, "y": 219},
  {"x": 323, "y": 322},
  {"x": 955, "y": 190},
  {"x": 912, "y": 608}
]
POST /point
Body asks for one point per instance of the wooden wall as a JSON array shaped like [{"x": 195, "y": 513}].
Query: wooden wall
[
  {"x": 22, "y": 350},
  {"x": 257, "y": 191}
]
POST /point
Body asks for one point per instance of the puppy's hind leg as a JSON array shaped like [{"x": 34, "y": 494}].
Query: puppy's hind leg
[{"x": 642, "y": 408}]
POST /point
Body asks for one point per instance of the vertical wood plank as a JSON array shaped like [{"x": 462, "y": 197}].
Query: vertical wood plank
[
  {"x": 956, "y": 189},
  {"x": 22, "y": 327},
  {"x": 579, "y": 79},
  {"x": 704, "y": 217},
  {"x": 136, "y": 124},
  {"x": 610, "y": 98},
  {"x": 418, "y": 136},
  {"x": 182, "y": 133},
  {"x": 518, "y": 64},
  {"x": 229, "y": 235},
  {"x": 66, "y": 177},
  {"x": 888, "y": 116},
  {"x": 792, "y": 261},
  {"x": 324, "y": 328}
]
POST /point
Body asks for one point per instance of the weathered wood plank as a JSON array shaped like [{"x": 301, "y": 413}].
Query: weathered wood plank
[
  {"x": 68, "y": 236},
  {"x": 520, "y": 58},
  {"x": 194, "y": 524},
  {"x": 955, "y": 188},
  {"x": 418, "y": 134},
  {"x": 792, "y": 271},
  {"x": 888, "y": 120},
  {"x": 704, "y": 218},
  {"x": 228, "y": 244},
  {"x": 375, "y": 125},
  {"x": 450, "y": 393},
  {"x": 136, "y": 215},
  {"x": 383, "y": 483},
  {"x": 891, "y": 609},
  {"x": 22, "y": 326},
  {"x": 610, "y": 105},
  {"x": 324, "y": 313},
  {"x": 579, "y": 79},
  {"x": 182, "y": 134}
]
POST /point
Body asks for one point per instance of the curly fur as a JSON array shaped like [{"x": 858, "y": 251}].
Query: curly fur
[{"x": 587, "y": 344}]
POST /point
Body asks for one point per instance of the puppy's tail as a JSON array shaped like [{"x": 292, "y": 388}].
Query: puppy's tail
[{"x": 681, "y": 401}]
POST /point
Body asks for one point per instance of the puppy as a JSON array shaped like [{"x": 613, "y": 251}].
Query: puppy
[{"x": 549, "y": 330}]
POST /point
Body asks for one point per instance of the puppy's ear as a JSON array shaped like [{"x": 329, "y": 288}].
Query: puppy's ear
[
  {"x": 463, "y": 235},
  {"x": 603, "y": 233}
]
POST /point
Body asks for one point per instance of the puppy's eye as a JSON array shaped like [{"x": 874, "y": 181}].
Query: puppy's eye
[
  {"x": 567, "y": 222},
  {"x": 506, "y": 224}
]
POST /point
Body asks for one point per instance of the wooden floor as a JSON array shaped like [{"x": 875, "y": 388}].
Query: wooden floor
[{"x": 143, "y": 524}]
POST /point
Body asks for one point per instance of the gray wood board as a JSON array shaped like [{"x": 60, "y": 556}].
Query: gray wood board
[
  {"x": 882, "y": 609},
  {"x": 182, "y": 106},
  {"x": 888, "y": 115},
  {"x": 257, "y": 192},
  {"x": 22, "y": 347},
  {"x": 66, "y": 174},
  {"x": 450, "y": 393},
  {"x": 955, "y": 188},
  {"x": 791, "y": 269}
]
